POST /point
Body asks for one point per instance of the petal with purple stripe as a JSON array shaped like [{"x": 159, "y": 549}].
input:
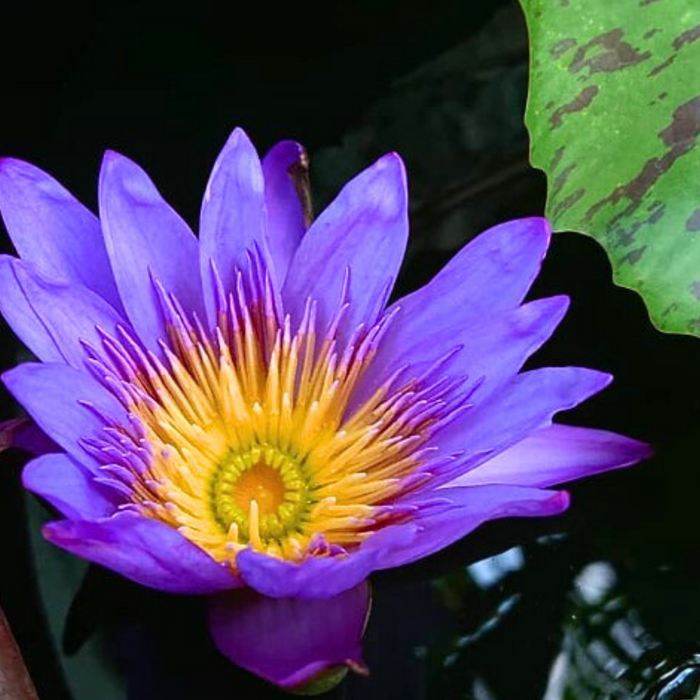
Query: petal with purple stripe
[
  {"x": 490, "y": 351},
  {"x": 290, "y": 641},
  {"x": 287, "y": 200},
  {"x": 52, "y": 318},
  {"x": 66, "y": 404},
  {"x": 492, "y": 273},
  {"x": 232, "y": 221},
  {"x": 53, "y": 230},
  {"x": 526, "y": 404},
  {"x": 19, "y": 313},
  {"x": 363, "y": 232},
  {"x": 146, "y": 241},
  {"x": 446, "y": 516},
  {"x": 145, "y": 551},
  {"x": 495, "y": 352},
  {"x": 555, "y": 455}
]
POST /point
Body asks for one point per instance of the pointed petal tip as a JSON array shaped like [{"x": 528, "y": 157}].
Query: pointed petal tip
[
  {"x": 393, "y": 162},
  {"x": 533, "y": 230},
  {"x": 11, "y": 167},
  {"x": 591, "y": 381},
  {"x": 239, "y": 134},
  {"x": 557, "y": 454},
  {"x": 59, "y": 532},
  {"x": 387, "y": 184},
  {"x": 561, "y": 300},
  {"x": 238, "y": 159},
  {"x": 560, "y": 502},
  {"x": 52, "y": 532},
  {"x": 53, "y": 230},
  {"x": 538, "y": 223},
  {"x": 606, "y": 379},
  {"x": 238, "y": 139},
  {"x": 635, "y": 451},
  {"x": 558, "y": 306},
  {"x": 288, "y": 152},
  {"x": 27, "y": 476},
  {"x": 538, "y": 227},
  {"x": 20, "y": 173},
  {"x": 542, "y": 222},
  {"x": 111, "y": 161},
  {"x": 291, "y": 146},
  {"x": 118, "y": 168},
  {"x": 9, "y": 376},
  {"x": 544, "y": 230},
  {"x": 393, "y": 158},
  {"x": 644, "y": 450},
  {"x": 555, "y": 306},
  {"x": 110, "y": 157}
]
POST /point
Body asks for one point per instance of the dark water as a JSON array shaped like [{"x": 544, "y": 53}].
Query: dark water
[{"x": 600, "y": 604}]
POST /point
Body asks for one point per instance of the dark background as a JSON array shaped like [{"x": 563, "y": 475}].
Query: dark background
[{"x": 444, "y": 83}]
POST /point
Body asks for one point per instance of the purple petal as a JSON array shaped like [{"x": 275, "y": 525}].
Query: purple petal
[
  {"x": 290, "y": 641},
  {"x": 17, "y": 309},
  {"x": 442, "y": 517},
  {"x": 52, "y": 318},
  {"x": 490, "y": 275},
  {"x": 492, "y": 350},
  {"x": 232, "y": 222},
  {"x": 364, "y": 230},
  {"x": 144, "y": 550},
  {"x": 24, "y": 434},
  {"x": 555, "y": 455},
  {"x": 146, "y": 239},
  {"x": 68, "y": 487},
  {"x": 285, "y": 167},
  {"x": 497, "y": 351},
  {"x": 317, "y": 577},
  {"x": 459, "y": 511},
  {"x": 53, "y": 230},
  {"x": 526, "y": 404},
  {"x": 59, "y": 398}
]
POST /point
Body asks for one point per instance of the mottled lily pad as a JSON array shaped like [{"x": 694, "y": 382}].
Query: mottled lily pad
[{"x": 614, "y": 121}]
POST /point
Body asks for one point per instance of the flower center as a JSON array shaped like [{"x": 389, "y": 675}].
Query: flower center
[
  {"x": 266, "y": 432},
  {"x": 262, "y": 484},
  {"x": 262, "y": 494}
]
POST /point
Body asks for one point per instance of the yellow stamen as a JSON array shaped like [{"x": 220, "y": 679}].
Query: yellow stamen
[{"x": 252, "y": 440}]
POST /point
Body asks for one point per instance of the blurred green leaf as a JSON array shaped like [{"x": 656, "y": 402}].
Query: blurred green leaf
[
  {"x": 614, "y": 120},
  {"x": 90, "y": 672}
]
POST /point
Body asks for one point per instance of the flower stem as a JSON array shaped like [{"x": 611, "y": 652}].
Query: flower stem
[{"x": 15, "y": 683}]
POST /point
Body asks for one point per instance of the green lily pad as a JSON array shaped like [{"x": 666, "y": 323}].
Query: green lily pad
[{"x": 614, "y": 121}]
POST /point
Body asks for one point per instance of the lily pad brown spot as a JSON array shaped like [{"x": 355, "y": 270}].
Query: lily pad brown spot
[{"x": 607, "y": 53}]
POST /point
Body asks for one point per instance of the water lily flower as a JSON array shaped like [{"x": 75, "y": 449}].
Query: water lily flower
[{"x": 241, "y": 415}]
